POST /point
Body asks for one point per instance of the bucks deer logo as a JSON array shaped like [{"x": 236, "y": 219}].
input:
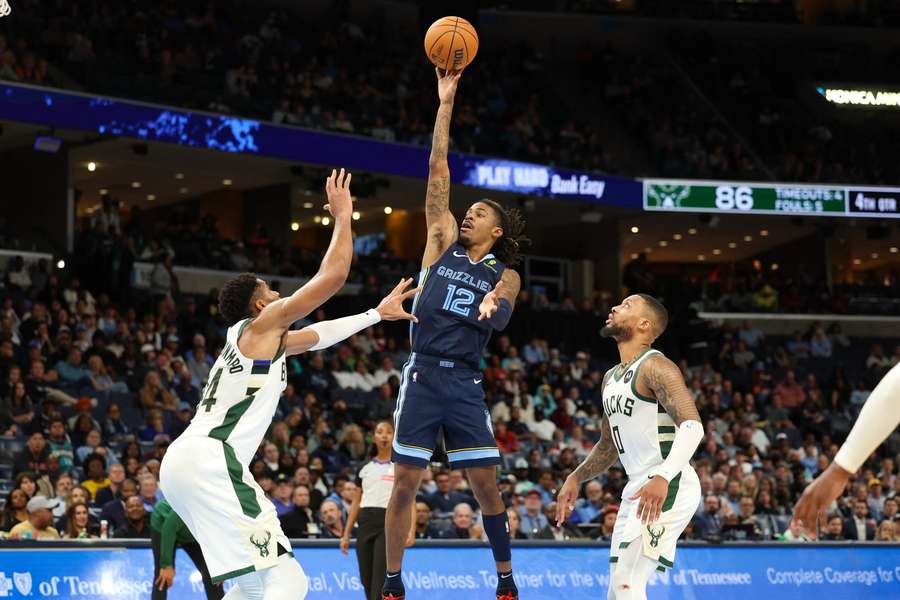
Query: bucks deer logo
[
  {"x": 656, "y": 532},
  {"x": 667, "y": 196},
  {"x": 262, "y": 546}
]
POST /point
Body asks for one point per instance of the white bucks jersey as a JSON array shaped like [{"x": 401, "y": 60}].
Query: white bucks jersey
[
  {"x": 240, "y": 398},
  {"x": 642, "y": 430}
]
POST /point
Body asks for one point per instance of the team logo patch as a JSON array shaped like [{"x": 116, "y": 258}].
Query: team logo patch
[
  {"x": 261, "y": 544},
  {"x": 629, "y": 375},
  {"x": 656, "y": 532}
]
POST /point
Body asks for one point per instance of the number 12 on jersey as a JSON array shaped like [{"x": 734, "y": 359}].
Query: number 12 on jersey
[{"x": 458, "y": 299}]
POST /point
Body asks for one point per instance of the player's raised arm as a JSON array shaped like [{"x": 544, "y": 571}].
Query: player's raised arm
[
  {"x": 334, "y": 268},
  {"x": 442, "y": 227},
  {"x": 327, "y": 333}
]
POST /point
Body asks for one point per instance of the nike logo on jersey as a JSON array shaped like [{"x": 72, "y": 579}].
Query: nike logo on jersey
[
  {"x": 457, "y": 255},
  {"x": 415, "y": 376},
  {"x": 477, "y": 381}
]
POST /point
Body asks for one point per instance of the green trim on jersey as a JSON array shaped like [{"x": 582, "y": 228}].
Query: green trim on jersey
[
  {"x": 665, "y": 448},
  {"x": 634, "y": 379},
  {"x": 237, "y": 338},
  {"x": 661, "y": 569},
  {"x": 613, "y": 559},
  {"x": 260, "y": 369},
  {"x": 623, "y": 545},
  {"x": 231, "y": 418},
  {"x": 666, "y": 562},
  {"x": 666, "y": 428},
  {"x": 220, "y": 578},
  {"x": 245, "y": 494},
  {"x": 633, "y": 360},
  {"x": 669, "y": 502}
]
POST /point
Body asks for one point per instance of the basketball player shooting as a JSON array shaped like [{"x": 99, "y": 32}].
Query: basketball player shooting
[
  {"x": 205, "y": 474},
  {"x": 878, "y": 418},
  {"x": 650, "y": 423},
  {"x": 467, "y": 292}
]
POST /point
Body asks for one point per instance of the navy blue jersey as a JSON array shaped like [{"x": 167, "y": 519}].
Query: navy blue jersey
[{"x": 447, "y": 306}]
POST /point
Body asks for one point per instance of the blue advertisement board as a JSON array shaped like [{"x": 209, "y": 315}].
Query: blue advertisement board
[
  {"x": 442, "y": 573},
  {"x": 114, "y": 117}
]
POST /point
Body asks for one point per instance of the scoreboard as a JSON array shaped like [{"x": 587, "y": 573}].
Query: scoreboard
[{"x": 683, "y": 195}]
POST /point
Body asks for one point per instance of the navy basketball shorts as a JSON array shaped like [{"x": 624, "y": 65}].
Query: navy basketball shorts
[{"x": 438, "y": 394}]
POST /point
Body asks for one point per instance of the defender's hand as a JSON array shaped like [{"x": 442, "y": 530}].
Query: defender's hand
[
  {"x": 651, "y": 498},
  {"x": 391, "y": 307},
  {"x": 337, "y": 187},
  {"x": 447, "y": 84},
  {"x": 817, "y": 497},
  {"x": 491, "y": 302},
  {"x": 565, "y": 500}
]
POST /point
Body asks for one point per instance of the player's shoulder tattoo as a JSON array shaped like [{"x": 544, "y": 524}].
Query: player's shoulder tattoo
[{"x": 666, "y": 382}]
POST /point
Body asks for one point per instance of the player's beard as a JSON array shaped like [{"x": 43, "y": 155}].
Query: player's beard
[
  {"x": 464, "y": 240},
  {"x": 617, "y": 332}
]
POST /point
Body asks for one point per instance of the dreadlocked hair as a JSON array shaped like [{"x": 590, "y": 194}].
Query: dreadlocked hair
[
  {"x": 235, "y": 297},
  {"x": 507, "y": 248}
]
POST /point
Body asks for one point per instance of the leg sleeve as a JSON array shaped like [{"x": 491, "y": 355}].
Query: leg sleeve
[{"x": 628, "y": 581}]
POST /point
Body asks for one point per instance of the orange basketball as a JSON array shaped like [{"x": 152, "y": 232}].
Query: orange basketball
[{"x": 451, "y": 43}]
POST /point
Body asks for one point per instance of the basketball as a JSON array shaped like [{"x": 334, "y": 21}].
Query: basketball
[{"x": 451, "y": 43}]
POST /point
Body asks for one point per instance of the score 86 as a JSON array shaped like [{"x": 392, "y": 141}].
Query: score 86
[{"x": 729, "y": 198}]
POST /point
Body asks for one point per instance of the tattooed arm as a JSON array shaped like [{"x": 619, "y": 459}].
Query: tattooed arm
[
  {"x": 602, "y": 456},
  {"x": 442, "y": 228},
  {"x": 663, "y": 380}
]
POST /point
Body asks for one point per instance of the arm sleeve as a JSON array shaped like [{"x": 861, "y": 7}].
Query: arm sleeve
[
  {"x": 332, "y": 332},
  {"x": 879, "y": 416},
  {"x": 500, "y": 319},
  {"x": 167, "y": 540},
  {"x": 687, "y": 438}
]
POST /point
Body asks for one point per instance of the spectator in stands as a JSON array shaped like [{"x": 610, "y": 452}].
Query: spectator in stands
[
  {"x": 443, "y": 500},
  {"x": 116, "y": 478},
  {"x": 281, "y": 497},
  {"x": 155, "y": 426},
  {"x": 750, "y": 335},
  {"x": 62, "y": 488},
  {"x": 591, "y": 505},
  {"x": 791, "y": 392},
  {"x": 886, "y": 532},
  {"x": 34, "y": 456},
  {"x": 17, "y": 411},
  {"x": 60, "y": 444},
  {"x": 607, "y": 522},
  {"x": 859, "y": 526},
  {"x": 72, "y": 374},
  {"x": 385, "y": 371},
  {"x": 137, "y": 521},
  {"x": 463, "y": 526},
  {"x": 300, "y": 521},
  {"x": 834, "y": 529},
  {"x": 425, "y": 529},
  {"x": 79, "y": 525},
  {"x": 820, "y": 345},
  {"x": 154, "y": 395},
  {"x": 515, "y": 525},
  {"x": 14, "y": 509},
  {"x": 551, "y": 531},
  {"x": 93, "y": 444},
  {"x": 876, "y": 499},
  {"x": 708, "y": 522},
  {"x": 95, "y": 474},
  {"x": 197, "y": 360},
  {"x": 877, "y": 362},
  {"x": 148, "y": 490},
  {"x": 331, "y": 526},
  {"x": 114, "y": 510},
  {"x": 533, "y": 518},
  {"x": 39, "y": 525}
]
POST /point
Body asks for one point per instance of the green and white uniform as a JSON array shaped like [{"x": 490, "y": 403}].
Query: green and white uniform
[
  {"x": 205, "y": 474},
  {"x": 643, "y": 433}
]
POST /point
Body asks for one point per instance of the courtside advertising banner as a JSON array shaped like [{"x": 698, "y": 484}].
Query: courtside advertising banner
[{"x": 857, "y": 572}]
